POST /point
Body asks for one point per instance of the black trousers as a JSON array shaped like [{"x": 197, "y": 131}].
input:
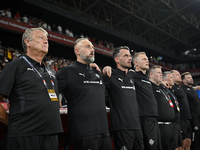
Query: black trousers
[
  {"x": 195, "y": 133},
  {"x": 167, "y": 137},
  {"x": 151, "y": 133},
  {"x": 41, "y": 142},
  {"x": 128, "y": 139},
  {"x": 93, "y": 144},
  {"x": 177, "y": 132}
]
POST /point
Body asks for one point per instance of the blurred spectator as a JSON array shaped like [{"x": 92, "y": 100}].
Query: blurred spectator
[
  {"x": 16, "y": 54},
  {"x": 67, "y": 31},
  {"x": 8, "y": 13},
  {"x": 71, "y": 34},
  {"x": 106, "y": 44},
  {"x": 2, "y": 12},
  {"x": 93, "y": 40},
  {"x": 44, "y": 25},
  {"x": 9, "y": 54},
  {"x": 39, "y": 23},
  {"x": 54, "y": 28},
  {"x": 59, "y": 29},
  {"x": 34, "y": 22},
  {"x": 17, "y": 16},
  {"x": 25, "y": 19},
  {"x": 30, "y": 20},
  {"x": 81, "y": 36},
  {"x": 2, "y": 52},
  {"x": 100, "y": 43},
  {"x": 87, "y": 37},
  {"x": 4, "y": 61},
  {"x": 111, "y": 46},
  {"x": 49, "y": 27}
]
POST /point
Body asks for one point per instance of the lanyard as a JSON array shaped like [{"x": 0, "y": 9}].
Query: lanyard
[
  {"x": 45, "y": 84},
  {"x": 166, "y": 96},
  {"x": 175, "y": 99}
]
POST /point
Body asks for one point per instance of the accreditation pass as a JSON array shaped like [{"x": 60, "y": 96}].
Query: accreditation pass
[{"x": 52, "y": 95}]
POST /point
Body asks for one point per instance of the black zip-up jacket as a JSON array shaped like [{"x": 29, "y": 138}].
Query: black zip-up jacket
[
  {"x": 165, "y": 110},
  {"x": 193, "y": 100},
  {"x": 174, "y": 102},
  {"x": 85, "y": 93},
  {"x": 183, "y": 102},
  {"x": 123, "y": 102},
  {"x": 147, "y": 104}
]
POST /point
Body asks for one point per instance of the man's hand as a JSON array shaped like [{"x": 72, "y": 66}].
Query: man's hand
[
  {"x": 166, "y": 84},
  {"x": 94, "y": 65},
  {"x": 197, "y": 88},
  {"x": 3, "y": 115},
  {"x": 107, "y": 70}
]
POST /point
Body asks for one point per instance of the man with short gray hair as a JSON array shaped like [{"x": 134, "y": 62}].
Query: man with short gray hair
[
  {"x": 34, "y": 117},
  {"x": 168, "y": 77}
]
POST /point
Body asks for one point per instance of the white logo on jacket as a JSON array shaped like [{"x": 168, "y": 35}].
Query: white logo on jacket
[
  {"x": 82, "y": 74},
  {"x": 158, "y": 91},
  {"x": 146, "y": 81},
  {"x": 120, "y": 79},
  {"x": 30, "y": 69},
  {"x": 97, "y": 75},
  {"x": 131, "y": 81},
  {"x": 151, "y": 142}
]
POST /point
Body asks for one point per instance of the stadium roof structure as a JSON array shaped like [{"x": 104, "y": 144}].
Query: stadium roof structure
[{"x": 170, "y": 28}]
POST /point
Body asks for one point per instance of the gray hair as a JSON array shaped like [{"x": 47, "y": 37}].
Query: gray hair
[
  {"x": 79, "y": 40},
  {"x": 28, "y": 35},
  {"x": 165, "y": 74}
]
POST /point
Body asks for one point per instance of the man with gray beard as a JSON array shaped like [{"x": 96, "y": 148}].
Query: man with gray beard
[{"x": 85, "y": 93}]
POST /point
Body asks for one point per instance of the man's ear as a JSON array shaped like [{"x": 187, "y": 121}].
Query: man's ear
[
  {"x": 150, "y": 74},
  {"x": 183, "y": 81},
  {"x": 134, "y": 63},
  {"x": 77, "y": 51},
  {"x": 27, "y": 42},
  {"x": 116, "y": 59}
]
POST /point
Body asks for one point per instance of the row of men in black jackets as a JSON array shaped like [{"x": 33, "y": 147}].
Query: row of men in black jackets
[
  {"x": 137, "y": 113},
  {"x": 169, "y": 112}
]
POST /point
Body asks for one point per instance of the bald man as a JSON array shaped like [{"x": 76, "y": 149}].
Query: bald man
[
  {"x": 167, "y": 76},
  {"x": 85, "y": 93}
]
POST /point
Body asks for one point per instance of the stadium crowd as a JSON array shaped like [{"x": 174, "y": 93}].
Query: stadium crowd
[{"x": 51, "y": 26}]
